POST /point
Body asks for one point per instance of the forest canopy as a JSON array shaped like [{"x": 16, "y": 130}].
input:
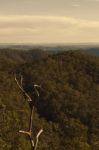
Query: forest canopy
[{"x": 68, "y": 107}]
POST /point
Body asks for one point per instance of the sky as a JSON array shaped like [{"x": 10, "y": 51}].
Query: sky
[{"x": 49, "y": 21}]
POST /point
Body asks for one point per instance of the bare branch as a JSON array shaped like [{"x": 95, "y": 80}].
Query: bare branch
[
  {"x": 29, "y": 133},
  {"x": 39, "y": 133},
  {"x": 25, "y": 132},
  {"x": 37, "y": 138},
  {"x": 31, "y": 119},
  {"x": 21, "y": 88},
  {"x": 30, "y": 136},
  {"x": 35, "y": 85}
]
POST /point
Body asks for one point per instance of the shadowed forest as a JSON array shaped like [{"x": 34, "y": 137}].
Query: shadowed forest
[{"x": 68, "y": 106}]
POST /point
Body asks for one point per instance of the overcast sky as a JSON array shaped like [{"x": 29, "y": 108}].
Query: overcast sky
[{"x": 49, "y": 21}]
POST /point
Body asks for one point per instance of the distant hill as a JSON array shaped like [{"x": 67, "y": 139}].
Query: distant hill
[
  {"x": 22, "y": 55},
  {"x": 50, "y": 47},
  {"x": 93, "y": 51}
]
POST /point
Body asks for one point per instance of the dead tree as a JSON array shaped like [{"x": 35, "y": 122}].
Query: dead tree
[{"x": 34, "y": 143}]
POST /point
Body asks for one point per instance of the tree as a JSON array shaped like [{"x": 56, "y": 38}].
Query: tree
[{"x": 32, "y": 104}]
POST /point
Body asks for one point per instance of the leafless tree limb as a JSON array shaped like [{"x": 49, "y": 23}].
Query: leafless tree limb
[
  {"x": 29, "y": 133},
  {"x": 41, "y": 130},
  {"x": 21, "y": 87}
]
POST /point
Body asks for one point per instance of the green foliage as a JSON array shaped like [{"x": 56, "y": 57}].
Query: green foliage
[{"x": 68, "y": 107}]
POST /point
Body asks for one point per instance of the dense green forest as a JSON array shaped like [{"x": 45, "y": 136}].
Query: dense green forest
[{"x": 68, "y": 107}]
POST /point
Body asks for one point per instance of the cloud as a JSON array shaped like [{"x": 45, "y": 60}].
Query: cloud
[
  {"x": 28, "y": 20},
  {"x": 93, "y": 0},
  {"x": 76, "y": 5},
  {"x": 40, "y": 28}
]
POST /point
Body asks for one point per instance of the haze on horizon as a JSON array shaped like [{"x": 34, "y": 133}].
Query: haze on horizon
[{"x": 54, "y": 21}]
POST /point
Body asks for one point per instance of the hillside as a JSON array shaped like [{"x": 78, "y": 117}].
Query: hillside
[
  {"x": 93, "y": 51},
  {"x": 22, "y": 55},
  {"x": 68, "y": 108}
]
